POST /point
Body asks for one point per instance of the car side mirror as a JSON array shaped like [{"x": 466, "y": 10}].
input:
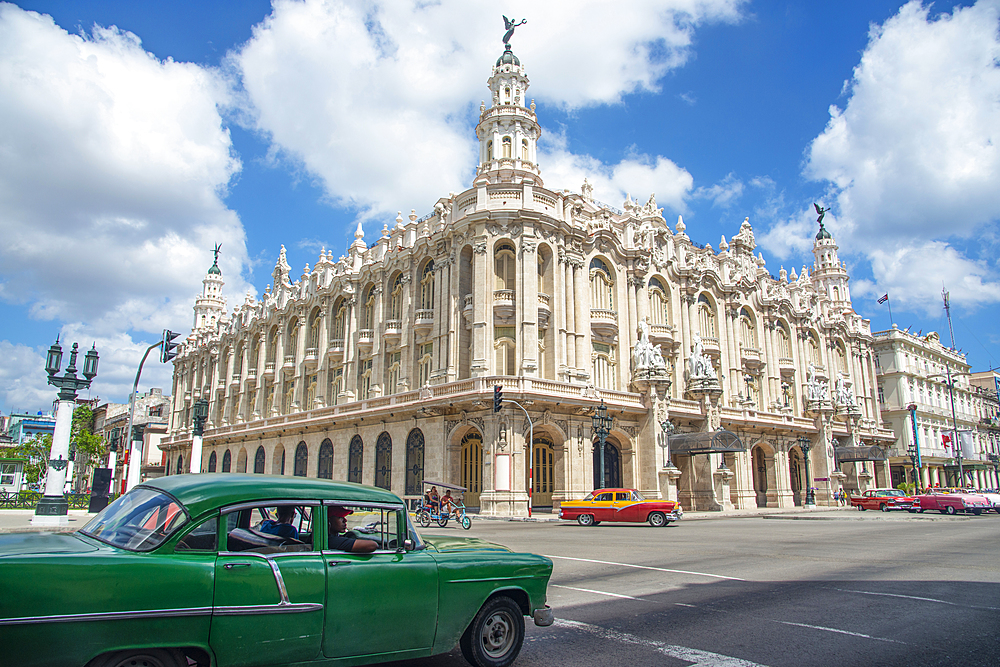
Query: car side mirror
[{"x": 408, "y": 545}]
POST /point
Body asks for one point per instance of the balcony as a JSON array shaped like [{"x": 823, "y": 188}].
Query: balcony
[
  {"x": 661, "y": 334},
  {"x": 751, "y": 357},
  {"x": 312, "y": 357},
  {"x": 289, "y": 364},
  {"x": 467, "y": 311},
  {"x": 786, "y": 363},
  {"x": 251, "y": 375},
  {"x": 503, "y": 303},
  {"x": 393, "y": 330},
  {"x": 221, "y": 384},
  {"x": 544, "y": 309},
  {"x": 366, "y": 337},
  {"x": 604, "y": 322},
  {"x": 336, "y": 349},
  {"x": 423, "y": 320},
  {"x": 269, "y": 370},
  {"x": 235, "y": 380},
  {"x": 710, "y": 344}
]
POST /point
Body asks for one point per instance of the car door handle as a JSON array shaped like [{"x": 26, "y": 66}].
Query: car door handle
[
  {"x": 340, "y": 562},
  {"x": 229, "y": 566}
]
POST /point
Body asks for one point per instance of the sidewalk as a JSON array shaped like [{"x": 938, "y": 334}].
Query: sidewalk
[{"x": 19, "y": 521}]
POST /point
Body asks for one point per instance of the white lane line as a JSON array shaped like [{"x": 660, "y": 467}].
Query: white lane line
[
  {"x": 647, "y": 567},
  {"x": 681, "y": 604},
  {"x": 696, "y": 657},
  {"x": 587, "y": 590},
  {"x": 842, "y": 632},
  {"x": 914, "y": 597}
]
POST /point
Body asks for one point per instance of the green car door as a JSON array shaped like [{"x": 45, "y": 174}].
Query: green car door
[
  {"x": 381, "y": 602},
  {"x": 269, "y": 595}
]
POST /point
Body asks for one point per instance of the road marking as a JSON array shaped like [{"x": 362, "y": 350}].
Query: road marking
[
  {"x": 681, "y": 604},
  {"x": 914, "y": 597},
  {"x": 587, "y": 590},
  {"x": 842, "y": 632},
  {"x": 696, "y": 657},
  {"x": 647, "y": 567}
]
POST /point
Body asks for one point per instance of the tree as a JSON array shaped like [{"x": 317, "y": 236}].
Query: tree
[
  {"x": 36, "y": 450},
  {"x": 83, "y": 440}
]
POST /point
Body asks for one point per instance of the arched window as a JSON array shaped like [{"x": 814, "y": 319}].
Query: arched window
[
  {"x": 340, "y": 320},
  {"x": 354, "y": 460},
  {"x": 414, "y": 462},
  {"x": 180, "y": 465},
  {"x": 505, "y": 350},
  {"x": 227, "y": 461},
  {"x": 325, "y": 470},
  {"x": 472, "y": 467},
  {"x": 706, "y": 317},
  {"x": 813, "y": 346},
  {"x": 396, "y": 299},
  {"x": 659, "y": 302},
  {"x": 393, "y": 366},
  {"x": 505, "y": 266},
  {"x": 784, "y": 341},
  {"x": 841, "y": 360},
  {"x": 524, "y": 149},
  {"x": 364, "y": 378},
  {"x": 289, "y": 396},
  {"x": 602, "y": 286},
  {"x": 427, "y": 286},
  {"x": 426, "y": 352},
  {"x": 604, "y": 366},
  {"x": 312, "y": 383},
  {"x": 292, "y": 344},
  {"x": 301, "y": 460},
  {"x": 489, "y": 151},
  {"x": 748, "y": 334},
  {"x": 212, "y": 462},
  {"x": 383, "y": 461},
  {"x": 272, "y": 345},
  {"x": 278, "y": 462},
  {"x": 368, "y": 308},
  {"x": 314, "y": 329},
  {"x": 506, "y": 147},
  {"x": 254, "y": 350},
  {"x": 241, "y": 461},
  {"x": 258, "y": 461}
]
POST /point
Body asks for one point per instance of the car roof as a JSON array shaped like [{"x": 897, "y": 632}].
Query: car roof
[{"x": 206, "y": 491}]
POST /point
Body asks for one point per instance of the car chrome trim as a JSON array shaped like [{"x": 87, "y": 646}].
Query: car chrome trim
[
  {"x": 358, "y": 503},
  {"x": 109, "y": 616},
  {"x": 280, "y": 608},
  {"x": 267, "y": 503},
  {"x": 280, "y": 581}
]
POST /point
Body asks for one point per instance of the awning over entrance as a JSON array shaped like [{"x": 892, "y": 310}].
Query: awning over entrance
[
  {"x": 863, "y": 453},
  {"x": 705, "y": 443}
]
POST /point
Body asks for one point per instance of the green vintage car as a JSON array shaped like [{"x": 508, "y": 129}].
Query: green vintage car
[{"x": 197, "y": 568}]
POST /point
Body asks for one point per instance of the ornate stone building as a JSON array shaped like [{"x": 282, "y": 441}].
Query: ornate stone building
[{"x": 379, "y": 366}]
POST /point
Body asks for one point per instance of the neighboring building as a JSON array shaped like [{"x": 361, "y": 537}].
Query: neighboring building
[
  {"x": 152, "y": 411},
  {"x": 11, "y": 474},
  {"x": 23, "y": 426},
  {"x": 379, "y": 367},
  {"x": 914, "y": 369},
  {"x": 986, "y": 384}
]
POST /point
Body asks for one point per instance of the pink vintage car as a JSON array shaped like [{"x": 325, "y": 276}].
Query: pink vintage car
[{"x": 951, "y": 503}]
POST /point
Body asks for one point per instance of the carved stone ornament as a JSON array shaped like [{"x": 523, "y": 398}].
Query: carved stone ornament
[{"x": 479, "y": 248}]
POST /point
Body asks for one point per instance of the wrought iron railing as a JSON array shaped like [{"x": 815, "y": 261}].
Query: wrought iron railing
[{"x": 28, "y": 500}]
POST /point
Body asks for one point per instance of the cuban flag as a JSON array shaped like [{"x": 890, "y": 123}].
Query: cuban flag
[
  {"x": 946, "y": 441},
  {"x": 884, "y": 298}
]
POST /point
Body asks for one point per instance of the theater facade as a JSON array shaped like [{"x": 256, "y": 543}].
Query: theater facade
[{"x": 379, "y": 366}]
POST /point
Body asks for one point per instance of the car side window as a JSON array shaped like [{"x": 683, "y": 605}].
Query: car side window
[
  {"x": 605, "y": 497},
  {"x": 270, "y": 528},
  {"x": 204, "y": 537},
  {"x": 381, "y": 524},
  {"x": 621, "y": 495}
]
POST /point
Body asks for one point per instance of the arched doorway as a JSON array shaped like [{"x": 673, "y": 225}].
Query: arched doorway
[
  {"x": 241, "y": 461},
  {"x": 795, "y": 475},
  {"x": 472, "y": 467},
  {"x": 325, "y": 469},
  {"x": 258, "y": 461},
  {"x": 301, "y": 460},
  {"x": 760, "y": 476},
  {"x": 612, "y": 466},
  {"x": 212, "y": 462},
  {"x": 355, "y": 455},
  {"x": 383, "y": 461},
  {"x": 414, "y": 462},
  {"x": 227, "y": 461},
  {"x": 542, "y": 473},
  {"x": 180, "y": 464},
  {"x": 278, "y": 462}
]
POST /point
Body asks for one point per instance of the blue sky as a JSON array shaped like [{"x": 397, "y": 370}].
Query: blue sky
[{"x": 134, "y": 135}]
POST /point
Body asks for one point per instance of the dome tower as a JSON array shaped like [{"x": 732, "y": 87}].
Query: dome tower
[
  {"x": 829, "y": 273},
  {"x": 210, "y": 307}
]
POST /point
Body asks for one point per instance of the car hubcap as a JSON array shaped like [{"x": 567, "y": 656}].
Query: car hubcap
[{"x": 497, "y": 635}]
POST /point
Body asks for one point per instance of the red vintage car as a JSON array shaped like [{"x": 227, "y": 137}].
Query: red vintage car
[
  {"x": 882, "y": 499},
  {"x": 951, "y": 503},
  {"x": 620, "y": 505}
]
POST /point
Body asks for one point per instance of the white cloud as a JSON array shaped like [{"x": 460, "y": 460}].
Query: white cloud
[
  {"x": 374, "y": 98},
  {"x": 23, "y": 385},
  {"x": 723, "y": 193}
]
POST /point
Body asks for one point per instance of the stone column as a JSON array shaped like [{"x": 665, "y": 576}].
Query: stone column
[
  {"x": 582, "y": 306},
  {"x": 527, "y": 305},
  {"x": 482, "y": 310}
]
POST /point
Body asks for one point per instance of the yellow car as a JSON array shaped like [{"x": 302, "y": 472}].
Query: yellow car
[{"x": 620, "y": 505}]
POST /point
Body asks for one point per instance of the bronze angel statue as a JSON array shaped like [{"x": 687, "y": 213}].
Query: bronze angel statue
[
  {"x": 821, "y": 211},
  {"x": 509, "y": 26}
]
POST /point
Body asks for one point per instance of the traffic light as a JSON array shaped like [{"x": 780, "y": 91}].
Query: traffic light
[
  {"x": 167, "y": 351},
  {"x": 497, "y": 397}
]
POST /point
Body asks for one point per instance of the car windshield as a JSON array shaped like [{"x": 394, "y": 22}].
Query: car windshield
[
  {"x": 138, "y": 521},
  {"x": 637, "y": 496}
]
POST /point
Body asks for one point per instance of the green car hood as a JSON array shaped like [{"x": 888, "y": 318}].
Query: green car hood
[
  {"x": 445, "y": 543},
  {"x": 21, "y": 544}
]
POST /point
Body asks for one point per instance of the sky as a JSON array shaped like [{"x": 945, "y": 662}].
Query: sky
[{"x": 135, "y": 135}]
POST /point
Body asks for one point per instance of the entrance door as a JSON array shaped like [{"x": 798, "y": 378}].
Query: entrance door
[
  {"x": 795, "y": 473},
  {"x": 612, "y": 466},
  {"x": 760, "y": 476},
  {"x": 472, "y": 467},
  {"x": 542, "y": 473}
]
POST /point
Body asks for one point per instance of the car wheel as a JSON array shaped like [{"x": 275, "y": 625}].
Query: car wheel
[
  {"x": 494, "y": 637},
  {"x": 424, "y": 519},
  {"x": 950, "y": 509},
  {"x": 150, "y": 657},
  {"x": 443, "y": 521},
  {"x": 884, "y": 507},
  {"x": 657, "y": 519},
  {"x": 977, "y": 512},
  {"x": 585, "y": 519},
  {"x": 861, "y": 508},
  {"x": 466, "y": 522}
]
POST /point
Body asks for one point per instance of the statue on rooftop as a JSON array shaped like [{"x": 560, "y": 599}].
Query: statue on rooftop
[{"x": 509, "y": 26}]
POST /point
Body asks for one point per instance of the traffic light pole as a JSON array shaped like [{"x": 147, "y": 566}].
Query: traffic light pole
[
  {"x": 135, "y": 451},
  {"x": 497, "y": 405}
]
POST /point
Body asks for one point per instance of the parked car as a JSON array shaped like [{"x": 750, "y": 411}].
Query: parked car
[
  {"x": 193, "y": 567},
  {"x": 993, "y": 499},
  {"x": 950, "y": 503},
  {"x": 882, "y": 499},
  {"x": 620, "y": 505}
]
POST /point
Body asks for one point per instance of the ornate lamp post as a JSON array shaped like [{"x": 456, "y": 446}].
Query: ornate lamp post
[
  {"x": 200, "y": 416},
  {"x": 52, "y": 509},
  {"x": 911, "y": 451},
  {"x": 601, "y": 428},
  {"x": 805, "y": 444},
  {"x": 912, "y": 407}
]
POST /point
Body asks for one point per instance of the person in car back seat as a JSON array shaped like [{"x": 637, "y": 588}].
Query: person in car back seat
[
  {"x": 283, "y": 526},
  {"x": 338, "y": 525}
]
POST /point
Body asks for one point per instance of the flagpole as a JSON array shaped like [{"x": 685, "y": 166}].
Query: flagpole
[{"x": 888, "y": 302}]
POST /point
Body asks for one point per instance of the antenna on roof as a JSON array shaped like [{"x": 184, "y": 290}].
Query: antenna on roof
[{"x": 947, "y": 311}]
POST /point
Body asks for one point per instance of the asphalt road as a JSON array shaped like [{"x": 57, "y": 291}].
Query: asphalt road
[{"x": 851, "y": 589}]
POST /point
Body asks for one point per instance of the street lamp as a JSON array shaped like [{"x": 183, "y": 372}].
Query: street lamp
[
  {"x": 601, "y": 423},
  {"x": 911, "y": 451},
  {"x": 200, "y": 416},
  {"x": 805, "y": 444},
  {"x": 954, "y": 422},
  {"x": 912, "y": 407},
  {"x": 52, "y": 509}
]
